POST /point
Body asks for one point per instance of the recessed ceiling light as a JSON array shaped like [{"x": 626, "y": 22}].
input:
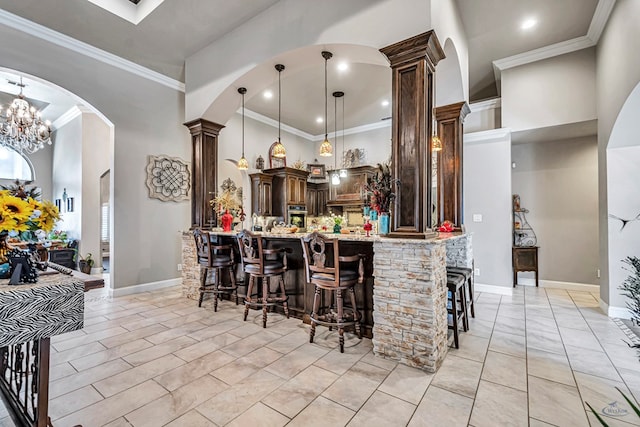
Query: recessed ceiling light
[
  {"x": 319, "y": 120},
  {"x": 267, "y": 94},
  {"x": 384, "y": 103},
  {"x": 343, "y": 66},
  {"x": 528, "y": 23}
]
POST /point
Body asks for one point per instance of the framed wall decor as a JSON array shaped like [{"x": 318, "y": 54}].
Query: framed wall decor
[
  {"x": 316, "y": 171},
  {"x": 168, "y": 178}
]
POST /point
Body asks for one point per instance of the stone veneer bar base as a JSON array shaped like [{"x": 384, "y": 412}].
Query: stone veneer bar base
[
  {"x": 190, "y": 267},
  {"x": 410, "y": 302}
]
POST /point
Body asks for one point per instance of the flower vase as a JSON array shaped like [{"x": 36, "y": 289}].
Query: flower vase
[
  {"x": 337, "y": 228},
  {"x": 4, "y": 246},
  {"x": 383, "y": 223}
]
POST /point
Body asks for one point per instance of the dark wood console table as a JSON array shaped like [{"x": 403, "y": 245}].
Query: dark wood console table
[{"x": 524, "y": 259}]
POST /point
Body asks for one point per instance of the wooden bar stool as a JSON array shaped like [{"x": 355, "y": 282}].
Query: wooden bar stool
[
  {"x": 456, "y": 305},
  {"x": 467, "y": 273},
  {"x": 327, "y": 270},
  {"x": 215, "y": 258},
  {"x": 263, "y": 265}
]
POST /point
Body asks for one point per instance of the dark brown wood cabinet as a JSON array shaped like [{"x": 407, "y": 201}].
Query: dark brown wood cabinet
[
  {"x": 317, "y": 196},
  {"x": 351, "y": 191},
  {"x": 261, "y": 194},
  {"x": 524, "y": 259},
  {"x": 296, "y": 190}
]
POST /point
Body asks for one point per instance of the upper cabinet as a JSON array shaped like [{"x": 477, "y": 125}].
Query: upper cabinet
[
  {"x": 289, "y": 188},
  {"x": 351, "y": 189}
]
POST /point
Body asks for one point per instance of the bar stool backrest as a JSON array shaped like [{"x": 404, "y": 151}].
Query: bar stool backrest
[
  {"x": 203, "y": 246},
  {"x": 251, "y": 249}
]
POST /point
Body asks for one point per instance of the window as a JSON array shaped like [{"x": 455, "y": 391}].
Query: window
[
  {"x": 14, "y": 165},
  {"x": 104, "y": 229}
]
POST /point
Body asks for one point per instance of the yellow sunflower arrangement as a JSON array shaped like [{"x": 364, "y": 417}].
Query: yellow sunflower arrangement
[{"x": 30, "y": 218}]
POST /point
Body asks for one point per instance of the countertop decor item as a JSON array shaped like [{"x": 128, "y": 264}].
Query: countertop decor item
[{"x": 380, "y": 189}]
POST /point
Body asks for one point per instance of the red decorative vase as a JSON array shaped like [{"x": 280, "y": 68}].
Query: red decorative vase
[{"x": 227, "y": 221}]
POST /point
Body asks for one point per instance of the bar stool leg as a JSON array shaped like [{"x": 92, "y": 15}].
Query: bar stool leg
[
  {"x": 340, "y": 319},
  {"x": 358, "y": 326},
  {"x": 283, "y": 295},
  {"x": 463, "y": 307},
  {"x": 247, "y": 299},
  {"x": 232, "y": 277},
  {"x": 203, "y": 279},
  {"x": 454, "y": 306},
  {"x": 216, "y": 286},
  {"x": 314, "y": 313},
  {"x": 266, "y": 282}
]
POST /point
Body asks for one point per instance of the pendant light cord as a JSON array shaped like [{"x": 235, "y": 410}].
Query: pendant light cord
[
  {"x": 335, "y": 127},
  {"x": 326, "y": 109},
  {"x": 343, "y": 131},
  {"x": 242, "y": 124},
  {"x": 279, "y": 101}
]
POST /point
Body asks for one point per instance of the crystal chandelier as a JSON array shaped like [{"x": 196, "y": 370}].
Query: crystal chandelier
[{"x": 23, "y": 129}]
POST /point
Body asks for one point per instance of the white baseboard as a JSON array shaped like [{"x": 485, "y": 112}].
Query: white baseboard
[
  {"x": 493, "y": 289},
  {"x": 570, "y": 286},
  {"x": 144, "y": 287},
  {"x": 617, "y": 312}
]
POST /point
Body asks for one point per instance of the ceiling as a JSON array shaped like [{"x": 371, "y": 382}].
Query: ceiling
[{"x": 176, "y": 29}]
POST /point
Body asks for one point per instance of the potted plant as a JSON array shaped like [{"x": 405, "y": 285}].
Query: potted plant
[{"x": 86, "y": 263}]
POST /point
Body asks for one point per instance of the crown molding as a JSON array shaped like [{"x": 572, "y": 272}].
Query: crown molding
[
  {"x": 487, "y": 136},
  {"x": 62, "y": 40},
  {"x": 358, "y": 129},
  {"x": 598, "y": 22},
  {"x": 128, "y": 11},
  {"x": 69, "y": 115},
  {"x": 488, "y": 104}
]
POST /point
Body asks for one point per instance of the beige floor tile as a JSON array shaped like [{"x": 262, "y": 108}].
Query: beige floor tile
[
  {"x": 509, "y": 325},
  {"x": 406, "y": 383},
  {"x": 322, "y": 412},
  {"x": 555, "y": 403},
  {"x": 114, "y": 407},
  {"x": 60, "y": 371},
  {"x": 235, "y": 400},
  {"x": 191, "y": 371},
  {"x": 120, "y": 422},
  {"x": 260, "y": 415},
  {"x": 591, "y": 362},
  {"x": 545, "y": 340},
  {"x": 496, "y": 405},
  {"x": 632, "y": 378},
  {"x": 261, "y": 357},
  {"x": 113, "y": 353},
  {"x": 198, "y": 350},
  {"x": 192, "y": 419},
  {"x": 294, "y": 395},
  {"x": 86, "y": 377},
  {"x": 100, "y": 326},
  {"x": 506, "y": 370},
  {"x": 458, "y": 375},
  {"x": 180, "y": 401},
  {"x": 295, "y": 362},
  {"x": 480, "y": 328},
  {"x": 290, "y": 342},
  {"x": 550, "y": 366},
  {"x": 508, "y": 344},
  {"x": 471, "y": 347},
  {"x": 73, "y": 401},
  {"x": 124, "y": 380},
  {"x": 133, "y": 335},
  {"x": 88, "y": 338},
  {"x": 580, "y": 339},
  {"x": 384, "y": 411},
  {"x": 146, "y": 321},
  {"x": 217, "y": 329},
  {"x": 233, "y": 373},
  {"x": 377, "y": 361},
  {"x": 337, "y": 362},
  {"x": 176, "y": 332},
  {"x": 67, "y": 336},
  {"x": 75, "y": 352},
  {"x": 441, "y": 407},
  {"x": 248, "y": 328},
  {"x": 144, "y": 356},
  {"x": 602, "y": 395},
  {"x": 537, "y": 423},
  {"x": 252, "y": 342},
  {"x": 354, "y": 388}
]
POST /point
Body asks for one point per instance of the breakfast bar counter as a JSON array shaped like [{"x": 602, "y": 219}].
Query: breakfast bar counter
[{"x": 403, "y": 300}]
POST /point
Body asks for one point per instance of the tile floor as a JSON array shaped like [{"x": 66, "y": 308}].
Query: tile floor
[{"x": 156, "y": 359}]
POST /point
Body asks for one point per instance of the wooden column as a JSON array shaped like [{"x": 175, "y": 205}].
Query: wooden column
[
  {"x": 204, "y": 163},
  {"x": 450, "y": 120},
  {"x": 413, "y": 63}
]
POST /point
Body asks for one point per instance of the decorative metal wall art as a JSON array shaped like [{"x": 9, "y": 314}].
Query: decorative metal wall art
[
  {"x": 168, "y": 178},
  {"x": 354, "y": 157}
]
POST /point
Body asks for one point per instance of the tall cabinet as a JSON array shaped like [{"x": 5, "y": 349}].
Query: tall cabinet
[{"x": 524, "y": 251}]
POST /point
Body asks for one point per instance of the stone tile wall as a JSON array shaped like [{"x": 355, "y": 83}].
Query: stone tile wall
[
  {"x": 190, "y": 267},
  {"x": 460, "y": 251},
  {"x": 410, "y": 302}
]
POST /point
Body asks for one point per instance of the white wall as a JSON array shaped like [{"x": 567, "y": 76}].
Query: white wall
[
  {"x": 484, "y": 115},
  {"x": 42, "y": 162},
  {"x": 487, "y": 191},
  {"x": 558, "y": 182},
  {"x": 551, "y": 92},
  {"x": 376, "y": 143},
  {"x": 96, "y": 136},
  {"x": 148, "y": 119},
  {"x": 67, "y": 174},
  {"x": 618, "y": 73}
]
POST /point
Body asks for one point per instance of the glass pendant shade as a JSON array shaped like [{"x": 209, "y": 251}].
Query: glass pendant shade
[
  {"x": 326, "y": 149},
  {"x": 279, "y": 150},
  {"x": 243, "y": 164},
  {"x": 436, "y": 143},
  {"x": 343, "y": 173}
]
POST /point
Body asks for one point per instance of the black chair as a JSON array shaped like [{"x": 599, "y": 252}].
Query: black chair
[
  {"x": 327, "y": 270},
  {"x": 263, "y": 265},
  {"x": 456, "y": 305},
  {"x": 215, "y": 259},
  {"x": 467, "y": 274}
]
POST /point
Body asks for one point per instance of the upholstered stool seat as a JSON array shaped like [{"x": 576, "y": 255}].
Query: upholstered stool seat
[
  {"x": 214, "y": 259},
  {"x": 260, "y": 265},
  {"x": 327, "y": 270},
  {"x": 467, "y": 273}
]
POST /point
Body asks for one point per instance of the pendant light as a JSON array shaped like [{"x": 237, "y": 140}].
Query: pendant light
[
  {"x": 278, "y": 149},
  {"x": 326, "y": 149},
  {"x": 436, "y": 142},
  {"x": 243, "y": 164},
  {"x": 335, "y": 175},
  {"x": 343, "y": 171}
]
